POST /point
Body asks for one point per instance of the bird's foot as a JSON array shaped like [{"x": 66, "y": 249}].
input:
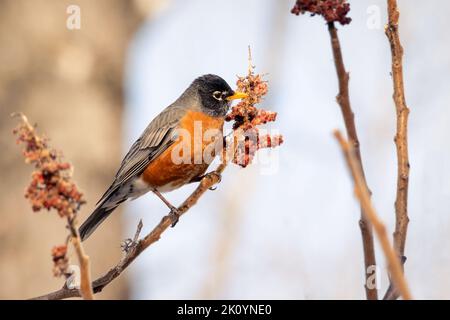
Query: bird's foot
[
  {"x": 218, "y": 177},
  {"x": 174, "y": 216},
  {"x": 209, "y": 174},
  {"x": 128, "y": 244}
]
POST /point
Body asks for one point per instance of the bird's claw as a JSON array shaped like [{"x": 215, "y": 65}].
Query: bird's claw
[
  {"x": 218, "y": 177},
  {"x": 174, "y": 216},
  {"x": 127, "y": 245}
]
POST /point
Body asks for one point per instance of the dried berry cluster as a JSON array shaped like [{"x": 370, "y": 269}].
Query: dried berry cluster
[
  {"x": 253, "y": 142},
  {"x": 247, "y": 117},
  {"x": 245, "y": 114},
  {"x": 51, "y": 185},
  {"x": 330, "y": 10},
  {"x": 60, "y": 261}
]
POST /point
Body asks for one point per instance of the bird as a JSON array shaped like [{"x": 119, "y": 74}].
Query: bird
[{"x": 170, "y": 152}]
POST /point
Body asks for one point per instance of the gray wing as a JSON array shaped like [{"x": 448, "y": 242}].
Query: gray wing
[{"x": 156, "y": 138}]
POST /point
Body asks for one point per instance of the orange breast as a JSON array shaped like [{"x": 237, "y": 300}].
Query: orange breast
[{"x": 190, "y": 156}]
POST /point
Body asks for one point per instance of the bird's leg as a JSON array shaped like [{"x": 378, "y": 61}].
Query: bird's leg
[{"x": 174, "y": 213}]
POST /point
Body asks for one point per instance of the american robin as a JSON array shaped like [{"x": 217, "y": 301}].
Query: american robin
[{"x": 169, "y": 153}]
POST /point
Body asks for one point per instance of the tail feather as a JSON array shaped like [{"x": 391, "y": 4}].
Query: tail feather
[
  {"x": 113, "y": 197},
  {"x": 94, "y": 220}
]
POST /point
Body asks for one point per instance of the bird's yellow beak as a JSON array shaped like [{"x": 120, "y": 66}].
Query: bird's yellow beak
[{"x": 237, "y": 95}]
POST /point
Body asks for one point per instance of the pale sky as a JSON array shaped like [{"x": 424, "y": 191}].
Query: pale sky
[{"x": 294, "y": 233}]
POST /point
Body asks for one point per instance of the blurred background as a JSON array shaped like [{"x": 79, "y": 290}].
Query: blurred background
[{"x": 286, "y": 227}]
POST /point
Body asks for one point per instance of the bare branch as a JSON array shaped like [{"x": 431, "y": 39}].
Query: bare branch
[
  {"x": 85, "y": 265},
  {"x": 401, "y": 139},
  {"x": 343, "y": 100}
]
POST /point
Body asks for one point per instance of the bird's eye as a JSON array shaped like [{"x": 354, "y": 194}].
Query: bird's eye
[{"x": 217, "y": 95}]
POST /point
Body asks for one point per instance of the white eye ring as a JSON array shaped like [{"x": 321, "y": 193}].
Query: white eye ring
[{"x": 217, "y": 95}]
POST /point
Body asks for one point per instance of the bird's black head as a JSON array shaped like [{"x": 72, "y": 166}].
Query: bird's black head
[{"x": 215, "y": 94}]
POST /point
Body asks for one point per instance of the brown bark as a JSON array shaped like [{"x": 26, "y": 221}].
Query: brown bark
[
  {"x": 401, "y": 139},
  {"x": 83, "y": 259},
  {"x": 343, "y": 100}
]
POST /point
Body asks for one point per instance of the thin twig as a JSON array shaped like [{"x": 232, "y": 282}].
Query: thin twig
[
  {"x": 369, "y": 211},
  {"x": 343, "y": 100},
  {"x": 401, "y": 139},
  {"x": 86, "y": 291},
  {"x": 206, "y": 183}
]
